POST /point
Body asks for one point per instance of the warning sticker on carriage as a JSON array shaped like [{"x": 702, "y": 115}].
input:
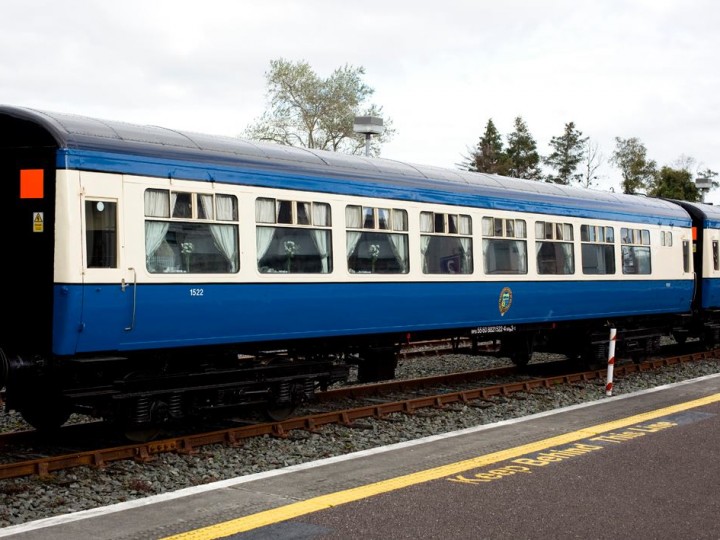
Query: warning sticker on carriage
[{"x": 38, "y": 222}]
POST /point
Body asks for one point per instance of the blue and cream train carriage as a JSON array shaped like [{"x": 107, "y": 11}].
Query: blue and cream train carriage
[{"x": 158, "y": 274}]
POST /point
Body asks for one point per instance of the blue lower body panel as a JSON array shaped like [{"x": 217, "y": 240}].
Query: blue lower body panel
[
  {"x": 711, "y": 293},
  {"x": 105, "y": 318}
]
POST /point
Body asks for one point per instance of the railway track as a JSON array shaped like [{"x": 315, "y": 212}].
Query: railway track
[{"x": 379, "y": 408}]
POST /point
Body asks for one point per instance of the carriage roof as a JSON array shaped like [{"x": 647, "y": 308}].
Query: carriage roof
[{"x": 113, "y": 146}]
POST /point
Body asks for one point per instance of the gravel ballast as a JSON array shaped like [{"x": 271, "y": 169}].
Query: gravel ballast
[{"x": 31, "y": 498}]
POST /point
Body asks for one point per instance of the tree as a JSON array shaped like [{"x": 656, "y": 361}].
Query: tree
[
  {"x": 306, "y": 110},
  {"x": 522, "y": 154},
  {"x": 489, "y": 156},
  {"x": 672, "y": 183},
  {"x": 630, "y": 157},
  {"x": 592, "y": 161},
  {"x": 566, "y": 156}
]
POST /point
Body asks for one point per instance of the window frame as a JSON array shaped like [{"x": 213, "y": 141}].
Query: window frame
[
  {"x": 597, "y": 239},
  {"x": 389, "y": 226},
  {"x": 635, "y": 246},
  {"x": 102, "y": 250},
  {"x": 296, "y": 229},
  {"x": 553, "y": 236},
  {"x": 500, "y": 235},
  {"x": 177, "y": 233},
  {"x": 448, "y": 230}
]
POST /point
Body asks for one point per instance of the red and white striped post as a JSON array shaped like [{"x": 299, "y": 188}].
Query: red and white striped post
[{"x": 611, "y": 363}]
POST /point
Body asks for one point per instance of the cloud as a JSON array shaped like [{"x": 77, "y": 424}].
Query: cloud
[{"x": 635, "y": 68}]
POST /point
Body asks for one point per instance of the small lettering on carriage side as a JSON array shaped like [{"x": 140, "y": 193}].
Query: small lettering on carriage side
[
  {"x": 197, "y": 292},
  {"x": 492, "y": 329}
]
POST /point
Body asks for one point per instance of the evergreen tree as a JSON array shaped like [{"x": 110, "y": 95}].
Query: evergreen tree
[
  {"x": 522, "y": 154},
  {"x": 489, "y": 156},
  {"x": 568, "y": 152},
  {"x": 630, "y": 157}
]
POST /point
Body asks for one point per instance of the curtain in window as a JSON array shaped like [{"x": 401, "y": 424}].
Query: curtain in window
[
  {"x": 173, "y": 202},
  {"x": 568, "y": 260},
  {"x": 519, "y": 253},
  {"x": 426, "y": 222},
  {"x": 466, "y": 246},
  {"x": 264, "y": 213},
  {"x": 321, "y": 214},
  {"x": 320, "y": 237},
  {"x": 156, "y": 205},
  {"x": 225, "y": 208},
  {"x": 398, "y": 242},
  {"x": 424, "y": 244},
  {"x": 155, "y": 232},
  {"x": 264, "y": 237},
  {"x": 206, "y": 202},
  {"x": 488, "y": 256},
  {"x": 353, "y": 237},
  {"x": 225, "y": 237},
  {"x": 353, "y": 219},
  {"x": 601, "y": 262}
]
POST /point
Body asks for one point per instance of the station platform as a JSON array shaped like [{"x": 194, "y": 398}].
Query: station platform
[{"x": 642, "y": 465}]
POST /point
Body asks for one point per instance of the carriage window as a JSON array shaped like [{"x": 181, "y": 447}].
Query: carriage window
[
  {"x": 182, "y": 206},
  {"x": 101, "y": 234},
  {"x": 447, "y": 249},
  {"x": 554, "y": 248},
  {"x": 190, "y": 232},
  {"x": 635, "y": 246},
  {"x": 715, "y": 254},
  {"x": 666, "y": 238},
  {"x": 293, "y": 236},
  {"x": 597, "y": 249},
  {"x": 686, "y": 256},
  {"x": 504, "y": 246},
  {"x": 372, "y": 246}
]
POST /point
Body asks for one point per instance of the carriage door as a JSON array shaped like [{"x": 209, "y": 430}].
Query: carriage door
[
  {"x": 109, "y": 286},
  {"x": 27, "y": 217}
]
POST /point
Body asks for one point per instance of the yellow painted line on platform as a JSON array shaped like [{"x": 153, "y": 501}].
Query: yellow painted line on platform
[{"x": 324, "y": 502}]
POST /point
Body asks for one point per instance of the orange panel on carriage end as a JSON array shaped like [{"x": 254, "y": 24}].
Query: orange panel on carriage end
[{"x": 31, "y": 184}]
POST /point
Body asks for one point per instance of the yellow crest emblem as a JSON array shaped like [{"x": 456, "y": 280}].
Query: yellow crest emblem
[{"x": 505, "y": 300}]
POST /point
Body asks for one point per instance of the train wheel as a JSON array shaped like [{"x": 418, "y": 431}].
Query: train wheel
[
  {"x": 711, "y": 336},
  {"x": 141, "y": 435},
  {"x": 519, "y": 349},
  {"x": 286, "y": 397},
  {"x": 377, "y": 365},
  {"x": 278, "y": 413},
  {"x": 45, "y": 416}
]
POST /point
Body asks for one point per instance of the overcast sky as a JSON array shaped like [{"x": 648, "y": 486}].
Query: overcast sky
[{"x": 440, "y": 69}]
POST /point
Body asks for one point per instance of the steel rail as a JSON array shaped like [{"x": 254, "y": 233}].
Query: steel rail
[{"x": 232, "y": 436}]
